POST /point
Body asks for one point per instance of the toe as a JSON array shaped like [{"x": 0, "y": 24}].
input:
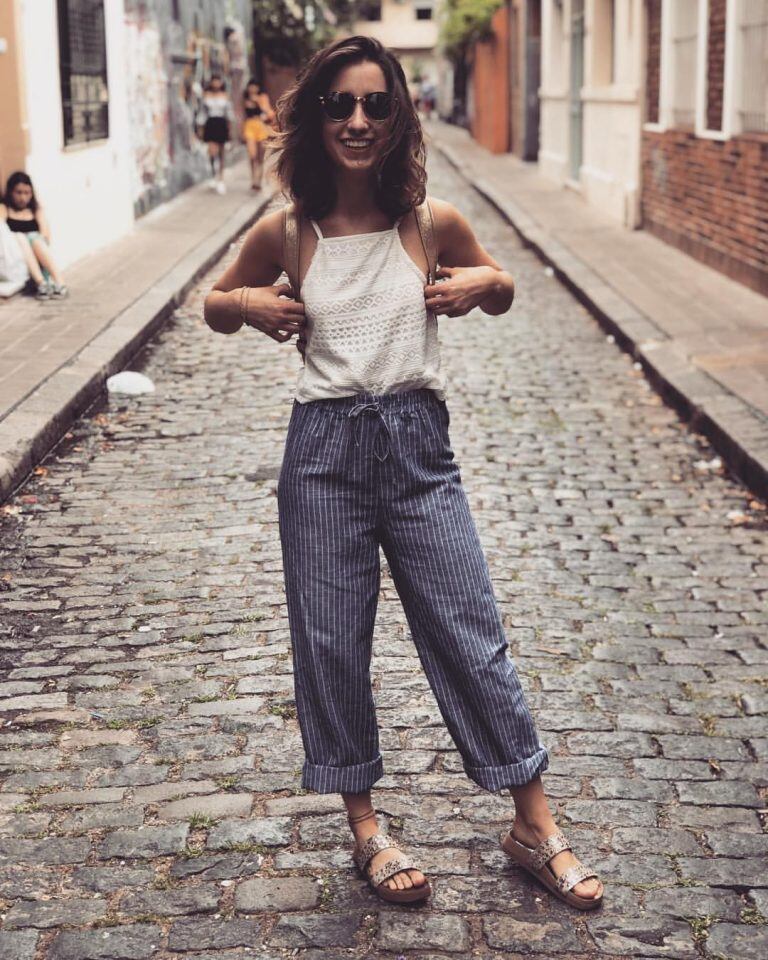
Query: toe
[
  {"x": 407, "y": 882},
  {"x": 587, "y": 889},
  {"x": 417, "y": 877}
]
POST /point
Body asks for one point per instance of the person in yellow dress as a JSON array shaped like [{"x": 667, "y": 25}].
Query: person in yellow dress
[{"x": 257, "y": 129}]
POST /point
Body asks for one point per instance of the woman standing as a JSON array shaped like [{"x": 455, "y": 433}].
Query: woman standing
[
  {"x": 368, "y": 462},
  {"x": 215, "y": 117},
  {"x": 256, "y": 130}
]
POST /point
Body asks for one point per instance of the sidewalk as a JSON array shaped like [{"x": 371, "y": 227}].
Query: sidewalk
[
  {"x": 701, "y": 337},
  {"x": 56, "y": 355}
]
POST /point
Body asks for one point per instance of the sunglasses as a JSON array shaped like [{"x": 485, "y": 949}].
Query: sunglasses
[{"x": 341, "y": 106}]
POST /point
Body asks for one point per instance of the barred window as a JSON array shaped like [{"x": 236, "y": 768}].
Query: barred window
[{"x": 83, "y": 70}]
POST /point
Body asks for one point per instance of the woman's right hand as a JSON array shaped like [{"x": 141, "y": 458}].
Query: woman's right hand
[{"x": 269, "y": 311}]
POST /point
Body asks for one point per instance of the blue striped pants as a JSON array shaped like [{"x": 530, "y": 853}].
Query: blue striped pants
[{"x": 374, "y": 471}]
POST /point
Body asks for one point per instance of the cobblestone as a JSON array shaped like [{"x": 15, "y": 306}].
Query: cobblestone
[{"x": 151, "y": 754}]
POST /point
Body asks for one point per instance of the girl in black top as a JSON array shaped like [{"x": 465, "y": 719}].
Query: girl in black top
[{"x": 26, "y": 218}]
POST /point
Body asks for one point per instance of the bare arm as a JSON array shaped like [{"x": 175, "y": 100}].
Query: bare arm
[
  {"x": 262, "y": 305},
  {"x": 3, "y": 212},
  {"x": 42, "y": 221},
  {"x": 474, "y": 278}
]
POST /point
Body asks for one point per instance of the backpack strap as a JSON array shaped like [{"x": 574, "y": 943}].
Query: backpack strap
[
  {"x": 291, "y": 244},
  {"x": 426, "y": 225}
]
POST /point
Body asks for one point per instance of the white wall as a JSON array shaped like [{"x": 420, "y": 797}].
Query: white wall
[
  {"x": 612, "y": 113},
  {"x": 85, "y": 189}
]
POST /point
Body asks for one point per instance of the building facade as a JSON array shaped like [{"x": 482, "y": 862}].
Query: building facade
[
  {"x": 504, "y": 76},
  {"x": 98, "y": 104},
  {"x": 410, "y": 29},
  {"x": 591, "y": 101},
  {"x": 705, "y": 136}
]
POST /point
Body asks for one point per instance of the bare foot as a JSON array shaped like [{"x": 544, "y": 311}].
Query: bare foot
[
  {"x": 404, "y": 879},
  {"x": 532, "y": 837}
]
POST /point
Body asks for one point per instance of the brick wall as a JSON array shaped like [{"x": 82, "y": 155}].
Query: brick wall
[
  {"x": 653, "y": 60},
  {"x": 715, "y": 64},
  {"x": 710, "y": 199}
]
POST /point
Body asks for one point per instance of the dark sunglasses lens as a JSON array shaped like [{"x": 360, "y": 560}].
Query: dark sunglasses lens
[
  {"x": 378, "y": 106},
  {"x": 339, "y": 106}
]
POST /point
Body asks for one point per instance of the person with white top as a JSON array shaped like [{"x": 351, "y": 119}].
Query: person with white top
[
  {"x": 215, "y": 116},
  {"x": 368, "y": 462}
]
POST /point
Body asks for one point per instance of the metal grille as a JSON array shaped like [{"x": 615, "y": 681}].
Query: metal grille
[
  {"x": 684, "y": 47},
  {"x": 753, "y": 107},
  {"x": 83, "y": 70}
]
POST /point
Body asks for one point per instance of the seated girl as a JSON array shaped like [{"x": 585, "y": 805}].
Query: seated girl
[{"x": 26, "y": 218}]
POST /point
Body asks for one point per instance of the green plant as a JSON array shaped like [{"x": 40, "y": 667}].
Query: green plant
[{"x": 466, "y": 22}]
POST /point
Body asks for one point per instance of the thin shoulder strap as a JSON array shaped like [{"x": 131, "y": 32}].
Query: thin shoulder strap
[
  {"x": 291, "y": 246},
  {"x": 426, "y": 225}
]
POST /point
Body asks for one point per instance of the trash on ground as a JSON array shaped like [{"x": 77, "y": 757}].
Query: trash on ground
[{"x": 130, "y": 382}]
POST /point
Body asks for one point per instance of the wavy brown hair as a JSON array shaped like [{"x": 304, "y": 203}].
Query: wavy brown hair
[{"x": 304, "y": 168}]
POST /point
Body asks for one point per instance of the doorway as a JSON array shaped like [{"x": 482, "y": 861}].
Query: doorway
[{"x": 575, "y": 105}]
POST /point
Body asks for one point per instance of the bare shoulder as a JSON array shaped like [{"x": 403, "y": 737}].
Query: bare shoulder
[
  {"x": 266, "y": 235},
  {"x": 449, "y": 222},
  {"x": 3, "y": 211}
]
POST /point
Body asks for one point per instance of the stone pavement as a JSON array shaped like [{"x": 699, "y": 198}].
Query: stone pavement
[
  {"x": 150, "y": 804},
  {"x": 55, "y": 355},
  {"x": 701, "y": 337}
]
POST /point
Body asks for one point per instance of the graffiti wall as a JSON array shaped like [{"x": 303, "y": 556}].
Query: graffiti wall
[{"x": 171, "y": 48}]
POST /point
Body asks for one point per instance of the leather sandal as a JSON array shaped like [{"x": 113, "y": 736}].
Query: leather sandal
[
  {"x": 363, "y": 854},
  {"x": 536, "y": 861}
]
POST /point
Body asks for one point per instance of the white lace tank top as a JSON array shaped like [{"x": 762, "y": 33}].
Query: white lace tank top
[{"x": 368, "y": 328}]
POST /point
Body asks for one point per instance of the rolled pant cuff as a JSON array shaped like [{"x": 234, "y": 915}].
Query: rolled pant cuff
[
  {"x": 354, "y": 779},
  {"x": 511, "y": 774}
]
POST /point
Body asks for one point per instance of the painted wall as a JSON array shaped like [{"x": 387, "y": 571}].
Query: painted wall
[
  {"x": 168, "y": 60},
  {"x": 85, "y": 188},
  {"x": 489, "y": 121},
  {"x": 609, "y": 174}
]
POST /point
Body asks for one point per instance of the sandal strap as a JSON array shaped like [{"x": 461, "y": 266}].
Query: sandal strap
[
  {"x": 549, "y": 848},
  {"x": 573, "y": 875},
  {"x": 373, "y": 845},
  {"x": 390, "y": 868}
]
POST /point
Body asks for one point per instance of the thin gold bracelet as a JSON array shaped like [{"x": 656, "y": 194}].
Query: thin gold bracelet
[{"x": 244, "y": 305}]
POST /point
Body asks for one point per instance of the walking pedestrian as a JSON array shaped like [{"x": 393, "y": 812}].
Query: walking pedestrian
[
  {"x": 256, "y": 128},
  {"x": 368, "y": 463},
  {"x": 25, "y": 217},
  {"x": 214, "y": 117}
]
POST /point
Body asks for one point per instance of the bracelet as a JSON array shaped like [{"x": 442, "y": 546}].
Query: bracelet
[{"x": 244, "y": 293}]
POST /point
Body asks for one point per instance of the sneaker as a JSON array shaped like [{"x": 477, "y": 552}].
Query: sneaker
[
  {"x": 59, "y": 291},
  {"x": 44, "y": 291},
  {"x": 220, "y": 188}
]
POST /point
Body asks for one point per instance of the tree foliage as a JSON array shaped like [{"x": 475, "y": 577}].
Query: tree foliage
[
  {"x": 290, "y": 31},
  {"x": 465, "y": 22}
]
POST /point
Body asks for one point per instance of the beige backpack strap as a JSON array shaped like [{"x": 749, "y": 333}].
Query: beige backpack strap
[
  {"x": 291, "y": 245},
  {"x": 426, "y": 225}
]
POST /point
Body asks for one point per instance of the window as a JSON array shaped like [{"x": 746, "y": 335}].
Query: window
[
  {"x": 370, "y": 10},
  {"x": 684, "y": 37},
  {"x": 653, "y": 61},
  {"x": 752, "y": 106},
  {"x": 83, "y": 70},
  {"x": 423, "y": 13}
]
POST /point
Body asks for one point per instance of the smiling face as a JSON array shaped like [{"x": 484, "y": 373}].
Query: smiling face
[{"x": 354, "y": 145}]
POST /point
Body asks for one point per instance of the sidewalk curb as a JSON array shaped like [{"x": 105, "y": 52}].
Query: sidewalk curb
[
  {"x": 40, "y": 421},
  {"x": 738, "y": 434}
]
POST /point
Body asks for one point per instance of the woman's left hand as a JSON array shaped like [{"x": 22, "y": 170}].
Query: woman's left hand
[{"x": 464, "y": 289}]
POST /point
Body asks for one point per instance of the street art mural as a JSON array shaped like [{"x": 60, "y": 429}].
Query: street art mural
[{"x": 171, "y": 50}]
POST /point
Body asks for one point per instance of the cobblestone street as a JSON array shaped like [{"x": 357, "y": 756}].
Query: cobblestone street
[{"x": 150, "y": 803}]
